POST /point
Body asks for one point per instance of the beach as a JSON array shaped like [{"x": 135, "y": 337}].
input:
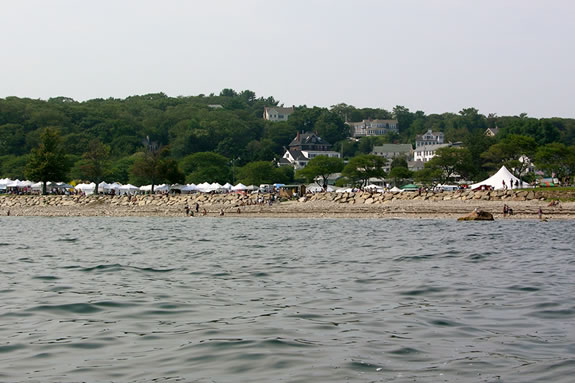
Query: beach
[{"x": 448, "y": 205}]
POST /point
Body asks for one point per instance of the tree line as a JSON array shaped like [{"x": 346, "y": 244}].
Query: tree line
[{"x": 222, "y": 138}]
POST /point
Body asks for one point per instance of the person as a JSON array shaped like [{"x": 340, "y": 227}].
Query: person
[
  {"x": 221, "y": 212},
  {"x": 516, "y": 184},
  {"x": 187, "y": 209},
  {"x": 197, "y": 207},
  {"x": 504, "y": 186},
  {"x": 239, "y": 211},
  {"x": 204, "y": 212},
  {"x": 511, "y": 183},
  {"x": 540, "y": 212},
  {"x": 505, "y": 210}
]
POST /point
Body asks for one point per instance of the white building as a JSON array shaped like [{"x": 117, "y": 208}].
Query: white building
[
  {"x": 427, "y": 152},
  {"x": 429, "y": 138},
  {"x": 367, "y": 128},
  {"x": 305, "y": 147},
  {"x": 277, "y": 113}
]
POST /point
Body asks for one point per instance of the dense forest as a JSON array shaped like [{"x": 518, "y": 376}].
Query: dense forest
[{"x": 224, "y": 138}]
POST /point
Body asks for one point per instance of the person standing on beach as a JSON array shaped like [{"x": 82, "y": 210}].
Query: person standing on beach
[
  {"x": 197, "y": 207},
  {"x": 504, "y": 186},
  {"x": 540, "y": 212}
]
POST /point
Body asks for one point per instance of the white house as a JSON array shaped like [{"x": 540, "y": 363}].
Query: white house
[
  {"x": 429, "y": 138},
  {"x": 367, "y": 128},
  {"x": 427, "y": 152},
  {"x": 305, "y": 147},
  {"x": 277, "y": 113}
]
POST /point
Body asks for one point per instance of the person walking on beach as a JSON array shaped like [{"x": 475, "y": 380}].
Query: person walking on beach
[
  {"x": 187, "y": 209},
  {"x": 197, "y": 207},
  {"x": 540, "y": 213}
]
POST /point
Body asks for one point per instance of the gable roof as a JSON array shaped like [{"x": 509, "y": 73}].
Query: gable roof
[
  {"x": 279, "y": 109},
  {"x": 308, "y": 139},
  {"x": 393, "y": 148}
]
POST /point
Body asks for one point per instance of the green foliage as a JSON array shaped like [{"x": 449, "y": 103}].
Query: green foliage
[
  {"x": 448, "y": 162},
  {"x": 206, "y": 167},
  {"x": 399, "y": 174},
  {"x": 556, "y": 159},
  {"x": 363, "y": 167},
  {"x": 322, "y": 167},
  {"x": 48, "y": 161},
  {"x": 95, "y": 162},
  {"x": 508, "y": 153},
  {"x": 262, "y": 172}
]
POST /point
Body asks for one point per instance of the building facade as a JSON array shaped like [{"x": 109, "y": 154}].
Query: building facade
[
  {"x": 277, "y": 113},
  {"x": 429, "y": 138},
  {"x": 303, "y": 148},
  {"x": 367, "y": 128}
]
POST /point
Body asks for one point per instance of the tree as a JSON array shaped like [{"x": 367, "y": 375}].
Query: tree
[
  {"x": 450, "y": 161},
  {"x": 150, "y": 166},
  {"x": 399, "y": 174},
  {"x": 48, "y": 161},
  {"x": 556, "y": 158},
  {"x": 261, "y": 172},
  {"x": 509, "y": 152},
  {"x": 206, "y": 167},
  {"x": 363, "y": 167},
  {"x": 95, "y": 164},
  {"x": 322, "y": 167}
]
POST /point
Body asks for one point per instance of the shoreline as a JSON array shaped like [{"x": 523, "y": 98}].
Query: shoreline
[{"x": 317, "y": 206}]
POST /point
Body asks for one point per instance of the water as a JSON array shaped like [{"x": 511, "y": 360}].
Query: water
[{"x": 266, "y": 300}]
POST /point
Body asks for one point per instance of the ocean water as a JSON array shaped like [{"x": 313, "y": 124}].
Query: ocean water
[{"x": 286, "y": 300}]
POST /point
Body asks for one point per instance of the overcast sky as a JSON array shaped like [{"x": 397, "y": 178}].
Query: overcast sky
[{"x": 499, "y": 56}]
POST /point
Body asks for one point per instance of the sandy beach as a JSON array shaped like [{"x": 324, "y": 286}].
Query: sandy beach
[{"x": 321, "y": 205}]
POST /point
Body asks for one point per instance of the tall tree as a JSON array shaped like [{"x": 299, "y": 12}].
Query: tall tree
[
  {"x": 556, "y": 159},
  {"x": 322, "y": 167},
  {"x": 95, "y": 162},
  {"x": 48, "y": 161},
  {"x": 450, "y": 161},
  {"x": 515, "y": 152},
  {"x": 363, "y": 167}
]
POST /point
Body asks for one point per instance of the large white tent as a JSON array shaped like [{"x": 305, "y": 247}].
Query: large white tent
[{"x": 500, "y": 180}]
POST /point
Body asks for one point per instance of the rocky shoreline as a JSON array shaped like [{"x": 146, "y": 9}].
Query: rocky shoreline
[{"x": 525, "y": 205}]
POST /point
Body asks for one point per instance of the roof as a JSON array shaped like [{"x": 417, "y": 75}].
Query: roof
[
  {"x": 428, "y": 133},
  {"x": 431, "y": 147},
  {"x": 308, "y": 139},
  {"x": 393, "y": 148},
  {"x": 496, "y": 180},
  {"x": 279, "y": 109},
  {"x": 391, "y": 122}
]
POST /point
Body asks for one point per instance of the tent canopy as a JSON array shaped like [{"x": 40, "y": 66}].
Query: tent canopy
[{"x": 500, "y": 180}]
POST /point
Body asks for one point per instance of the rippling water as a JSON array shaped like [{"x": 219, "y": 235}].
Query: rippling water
[{"x": 266, "y": 300}]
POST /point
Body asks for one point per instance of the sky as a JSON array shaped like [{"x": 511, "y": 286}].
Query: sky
[{"x": 500, "y": 56}]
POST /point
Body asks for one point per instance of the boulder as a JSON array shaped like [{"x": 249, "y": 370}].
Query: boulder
[{"x": 477, "y": 215}]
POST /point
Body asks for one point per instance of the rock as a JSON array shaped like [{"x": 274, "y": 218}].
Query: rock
[{"x": 477, "y": 215}]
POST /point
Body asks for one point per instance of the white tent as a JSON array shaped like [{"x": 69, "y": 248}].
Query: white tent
[
  {"x": 86, "y": 188},
  {"x": 189, "y": 188},
  {"x": 162, "y": 188},
  {"x": 204, "y": 187},
  {"x": 395, "y": 189},
  {"x": 315, "y": 188},
  {"x": 129, "y": 189},
  {"x": 500, "y": 180},
  {"x": 240, "y": 187},
  {"x": 227, "y": 186}
]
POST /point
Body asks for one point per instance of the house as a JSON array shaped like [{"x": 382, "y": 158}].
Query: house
[
  {"x": 429, "y": 138},
  {"x": 427, "y": 152},
  {"x": 491, "y": 132},
  {"x": 415, "y": 166},
  {"x": 367, "y": 128},
  {"x": 391, "y": 151},
  {"x": 303, "y": 148},
  {"x": 277, "y": 113}
]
